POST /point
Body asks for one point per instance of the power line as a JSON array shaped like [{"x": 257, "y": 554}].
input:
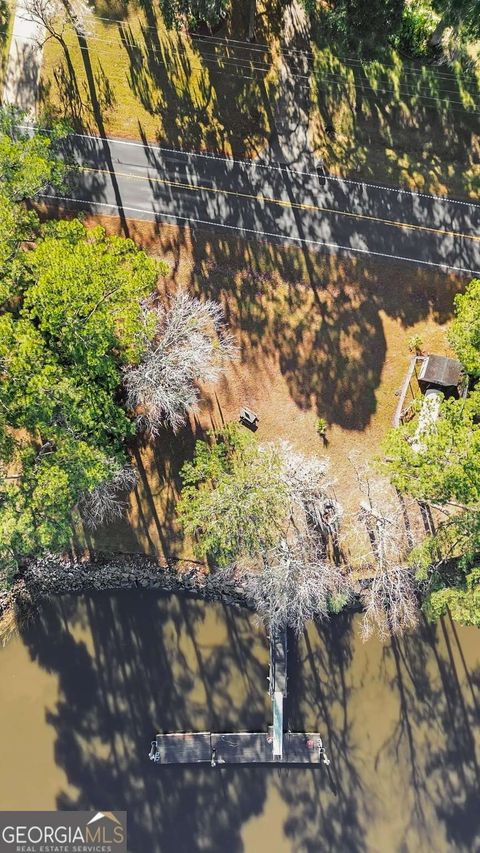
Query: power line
[
  {"x": 256, "y": 165},
  {"x": 264, "y": 48},
  {"x": 357, "y": 85},
  {"x": 295, "y": 75}
]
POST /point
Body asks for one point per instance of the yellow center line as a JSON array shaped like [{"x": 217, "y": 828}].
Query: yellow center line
[{"x": 282, "y": 202}]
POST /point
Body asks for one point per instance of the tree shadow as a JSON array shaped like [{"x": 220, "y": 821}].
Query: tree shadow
[
  {"x": 321, "y": 320},
  {"x": 400, "y": 724},
  {"x": 155, "y": 663},
  {"x": 396, "y": 119}
]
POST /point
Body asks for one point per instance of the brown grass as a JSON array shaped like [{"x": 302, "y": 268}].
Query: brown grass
[
  {"x": 135, "y": 78},
  {"x": 320, "y": 335}
]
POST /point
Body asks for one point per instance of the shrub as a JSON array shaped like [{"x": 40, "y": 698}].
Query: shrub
[{"x": 418, "y": 23}]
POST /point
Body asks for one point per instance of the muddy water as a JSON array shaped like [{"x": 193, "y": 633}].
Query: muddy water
[{"x": 84, "y": 689}]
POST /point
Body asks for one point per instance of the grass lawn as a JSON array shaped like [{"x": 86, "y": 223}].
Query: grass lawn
[
  {"x": 398, "y": 121},
  {"x": 394, "y": 120},
  {"x": 134, "y": 78},
  {"x": 320, "y": 336}
]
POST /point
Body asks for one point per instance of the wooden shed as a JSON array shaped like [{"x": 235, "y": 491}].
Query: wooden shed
[{"x": 442, "y": 374}]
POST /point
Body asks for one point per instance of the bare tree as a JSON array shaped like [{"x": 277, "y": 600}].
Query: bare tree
[
  {"x": 384, "y": 530},
  {"x": 293, "y": 581},
  {"x": 191, "y": 345},
  {"x": 390, "y": 602},
  {"x": 295, "y": 584},
  {"x": 389, "y": 596},
  {"x": 108, "y": 500},
  {"x": 313, "y": 504},
  {"x": 56, "y": 16}
]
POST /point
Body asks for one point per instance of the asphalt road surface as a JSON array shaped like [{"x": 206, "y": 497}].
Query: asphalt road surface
[{"x": 273, "y": 202}]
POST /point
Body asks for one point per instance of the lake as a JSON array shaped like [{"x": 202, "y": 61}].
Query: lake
[{"x": 86, "y": 686}]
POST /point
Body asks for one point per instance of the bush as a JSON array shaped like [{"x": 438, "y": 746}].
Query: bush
[
  {"x": 337, "y": 602},
  {"x": 418, "y": 23},
  {"x": 322, "y": 427},
  {"x": 462, "y": 601}
]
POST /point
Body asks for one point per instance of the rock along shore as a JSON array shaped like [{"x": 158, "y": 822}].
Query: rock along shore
[{"x": 53, "y": 575}]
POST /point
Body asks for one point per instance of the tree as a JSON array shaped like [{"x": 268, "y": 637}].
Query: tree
[
  {"x": 77, "y": 319},
  {"x": 56, "y": 16},
  {"x": 29, "y": 162},
  {"x": 264, "y": 512},
  {"x": 86, "y": 294},
  {"x": 446, "y": 469},
  {"x": 296, "y": 583},
  {"x": 361, "y": 24},
  {"x": 464, "y": 333},
  {"x": 16, "y": 226},
  {"x": 385, "y": 529},
  {"x": 462, "y": 600},
  {"x": 192, "y": 13},
  {"x": 190, "y": 345},
  {"x": 390, "y": 602},
  {"x": 106, "y": 501},
  {"x": 29, "y": 159},
  {"x": 233, "y": 500},
  {"x": 462, "y": 15}
]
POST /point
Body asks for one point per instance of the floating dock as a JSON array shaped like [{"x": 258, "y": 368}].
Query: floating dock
[
  {"x": 272, "y": 747},
  {"x": 236, "y": 748}
]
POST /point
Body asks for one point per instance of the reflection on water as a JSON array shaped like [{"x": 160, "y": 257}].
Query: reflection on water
[{"x": 86, "y": 686}]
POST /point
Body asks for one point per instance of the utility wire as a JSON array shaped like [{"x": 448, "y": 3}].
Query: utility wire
[
  {"x": 264, "y": 48},
  {"x": 234, "y": 63}
]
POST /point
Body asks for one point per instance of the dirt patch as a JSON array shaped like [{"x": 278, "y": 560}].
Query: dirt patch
[{"x": 320, "y": 336}]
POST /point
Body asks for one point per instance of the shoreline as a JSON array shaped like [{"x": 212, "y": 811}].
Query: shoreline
[{"x": 56, "y": 575}]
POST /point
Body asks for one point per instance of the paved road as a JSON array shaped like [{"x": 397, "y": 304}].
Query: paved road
[{"x": 276, "y": 203}]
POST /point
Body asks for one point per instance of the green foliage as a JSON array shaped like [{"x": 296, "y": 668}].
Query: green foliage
[
  {"x": 462, "y": 600},
  {"x": 417, "y": 27},
  {"x": 29, "y": 160},
  {"x": 336, "y": 603},
  {"x": 405, "y": 25},
  {"x": 36, "y": 509},
  {"x": 85, "y": 294},
  {"x": 194, "y": 12},
  {"x": 462, "y": 15},
  {"x": 358, "y": 24},
  {"x": 322, "y": 427},
  {"x": 234, "y": 501},
  {"x": 415, "y": 344},
  {"x": 73, "y": 316},
  {"x": 16, "y": 225},
  {"x": 447, "y": 468},
  {"x": 464, "y": 334}
]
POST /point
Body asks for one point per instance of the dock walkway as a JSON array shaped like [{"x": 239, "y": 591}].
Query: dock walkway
[{"x": 272, "y": 747}]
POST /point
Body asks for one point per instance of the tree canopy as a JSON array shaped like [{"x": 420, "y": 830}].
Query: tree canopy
[
  {"x": 462, "y": 600},
  {"x": 445, "y": 471},
  {"x": 194, "y": 12},
  {"x": 76, "y": 320},
  {"x": 460, "y": 14},
  {"x": 447, "y": 467},
  {"x": 464, "y": 334},
  {"x": 29, "y": 158},
  {"x": 233, "y": 499}
]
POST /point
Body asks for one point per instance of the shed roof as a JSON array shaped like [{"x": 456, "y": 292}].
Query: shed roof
[{"x": 440, "y": 370}]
